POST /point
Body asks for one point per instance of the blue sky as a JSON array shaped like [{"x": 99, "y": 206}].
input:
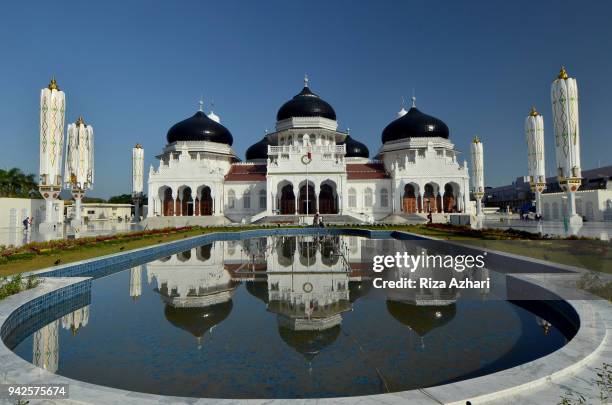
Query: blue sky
[{"x": 134, "y": 68}]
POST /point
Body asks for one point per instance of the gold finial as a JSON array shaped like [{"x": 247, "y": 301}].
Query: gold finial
[
  {"x": 53, "y": 84},
  {"x": 138, "y": 146},
  {"x": 563, "y": 73},
  {"x": 476, "y": 139},
  {"x": 80, "y": 121},
  {"x": 534, "y": 112}
]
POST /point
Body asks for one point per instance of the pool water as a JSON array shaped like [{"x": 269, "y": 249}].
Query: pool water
[{"x": 279, "y": 317}]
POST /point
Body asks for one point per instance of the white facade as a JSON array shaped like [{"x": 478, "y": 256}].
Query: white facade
[
  {"x": 100, "y": 211},
  {"x": 593, "y": 205},
  {"x": 14, "y": 210},
  {"x": 308, "y": 166}
]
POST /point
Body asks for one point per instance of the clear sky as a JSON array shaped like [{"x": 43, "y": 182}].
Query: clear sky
[{"x": 134, "y": 68}]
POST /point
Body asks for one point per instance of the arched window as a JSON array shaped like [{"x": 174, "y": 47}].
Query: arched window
[
  {"x": 368, "y": 197},
  {"x": 262, "y": 199},
  {"x": 231, "y": 199},
  {"x": 352, "y": 198},
  {"x": 384, "y": 198},
  {"x": 246, "y": 199}
]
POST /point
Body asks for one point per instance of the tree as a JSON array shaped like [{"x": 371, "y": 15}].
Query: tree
[
  {"x": 124, "y": 199},
  {"x": 14, "y": 183}
]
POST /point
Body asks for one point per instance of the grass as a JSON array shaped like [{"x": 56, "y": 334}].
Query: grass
[{"x": 16, "y": 284}]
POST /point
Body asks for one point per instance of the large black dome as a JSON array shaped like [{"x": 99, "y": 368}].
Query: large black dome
[
  {"x": 355, "y": 148},
  {"x": 306, "y": 104},
  {"x": 259, "y": 150},
  {"x": 199, "y": 128},
  {"x": 414, "y": 124}
]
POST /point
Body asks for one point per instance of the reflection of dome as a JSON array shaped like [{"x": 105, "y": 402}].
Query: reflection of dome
[
  {"x": 199, "y": 128},
  {"x": 309, "y": 343},
  {"x": 355, "y": 148},
  {"x": 258, "y": 289},
  {"x": 306, "y": 104},
  {"x": 414, "y": 124},
  {"x": 198, "y": 321},
  {"x": 259, "y": 150},
  {"x": 421, "y": 318}
]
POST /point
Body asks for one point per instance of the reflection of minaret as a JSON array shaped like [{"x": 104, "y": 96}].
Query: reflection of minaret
[
  {"x": 136, "y": 282},
  {"x": 46, "y": 347},
  {"x": 76, "y": 319}
]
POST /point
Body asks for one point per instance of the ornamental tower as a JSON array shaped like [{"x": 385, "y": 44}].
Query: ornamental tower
[
  {"x": 52, "y": 109},
  {"x": 564, "y": 98},
  {"x": 79, "y": 167},
  {"x": 137, "y": 178},
  {"x": 478, "y": 173},
  {"x": 534, "y": 132}
]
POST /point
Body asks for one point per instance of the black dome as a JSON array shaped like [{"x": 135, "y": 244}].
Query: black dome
[
  {"x": 258, "y": 150},
  {"x": 198, "y": 321},
  {"x": 414, "y": 124},
  {"x": 306, "y": 104},
  {"x": 199, "y": 128},
  {"x": 421, "y": 318},
  {"x": 355, "y": 148}
]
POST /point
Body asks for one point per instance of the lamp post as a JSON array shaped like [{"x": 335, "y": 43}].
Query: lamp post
[
  {"x": 534, "y": 131},
  {"x": 564, "y": 98},
  {"x": 478, "y": 174},
  {"x": 79, "y": 167},
  {"x": 137, "y": 179},
  {"x": 52, "y": 110}
]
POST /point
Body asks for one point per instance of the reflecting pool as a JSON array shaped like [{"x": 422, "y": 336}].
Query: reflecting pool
[{"x": 281, "y": 317}]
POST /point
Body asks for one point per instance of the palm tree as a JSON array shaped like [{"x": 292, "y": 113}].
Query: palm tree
[{"x": 14, "y": 183}]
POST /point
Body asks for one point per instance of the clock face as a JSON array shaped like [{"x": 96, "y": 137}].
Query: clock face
[{"x": 306, "y": 159}]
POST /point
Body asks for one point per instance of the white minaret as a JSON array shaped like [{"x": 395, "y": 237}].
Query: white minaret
[
  {"x": 137, "y": 179},
  {"x": 45, "y": 347},
  {"x": 534, "y": 131},
  {"x": 477, "y": 174},
  {"x": 79, "y": 167},
  {"x": 52, "y": 110},
  {"x": 564, "y": 98}
]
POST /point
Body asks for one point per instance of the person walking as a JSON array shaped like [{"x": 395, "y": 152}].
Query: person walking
[{"x": 25, "y": 224}]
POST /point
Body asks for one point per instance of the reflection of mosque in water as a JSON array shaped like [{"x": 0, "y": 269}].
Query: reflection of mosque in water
[
  {"x": 423, "y": 309},
  {"x": 45, "y": 346},
  {"x": 307, "y": 281}
]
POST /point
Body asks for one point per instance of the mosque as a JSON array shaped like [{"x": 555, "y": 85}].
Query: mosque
[{"x": 307, "y": 166}]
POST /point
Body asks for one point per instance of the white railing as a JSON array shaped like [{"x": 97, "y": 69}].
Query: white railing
[{"x": 290, "y": 149}]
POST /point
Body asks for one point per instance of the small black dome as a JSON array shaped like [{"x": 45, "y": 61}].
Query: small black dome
[
  {"x": 355, "y": 148},
  {"x": 258, "y": 150},
  {"x": 199, "y": 128},
  {"x": 414, "y": 124},
  {"x": 306, "y": 104}
]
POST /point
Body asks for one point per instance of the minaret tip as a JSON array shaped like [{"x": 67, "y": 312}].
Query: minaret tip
[
  {"x": 80, "y": 121},
  {"x": 476, "y": 139},
  {"x": 533, "y": 112},
  {"x": 138, "y": 146},
  {"x": 53, "y": 84},
  {"x": 201, "y": 104},
  {"x": 562, "y": 73}
]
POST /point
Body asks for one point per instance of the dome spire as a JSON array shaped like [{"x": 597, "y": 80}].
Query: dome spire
[
  {"x": 53, "y": 84},
  {"x": 413, "y": 101},
  {"x": 201, "y": 103},
  {"x": 306, "y": 79}
]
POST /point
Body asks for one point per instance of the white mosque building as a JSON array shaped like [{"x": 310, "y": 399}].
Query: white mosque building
[{"x": 307, "y": 166}]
